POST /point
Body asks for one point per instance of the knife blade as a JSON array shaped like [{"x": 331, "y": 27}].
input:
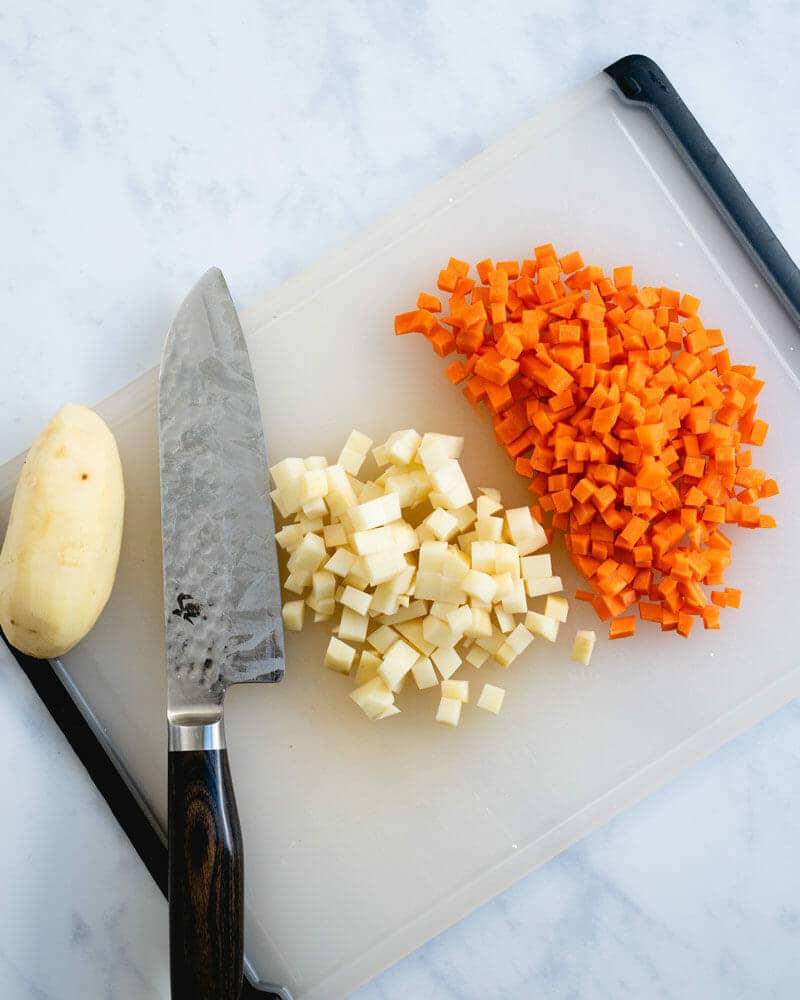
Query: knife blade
[{"x": 222, "y": 619}]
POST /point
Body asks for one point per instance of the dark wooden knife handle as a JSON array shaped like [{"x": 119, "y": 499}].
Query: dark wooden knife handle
[{"x": 205, "y": 878}]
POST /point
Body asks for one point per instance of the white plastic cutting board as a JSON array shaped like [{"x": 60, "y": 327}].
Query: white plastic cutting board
[{"x": 362, "y": 841}]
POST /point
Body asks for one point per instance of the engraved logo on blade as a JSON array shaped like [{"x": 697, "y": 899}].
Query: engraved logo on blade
[{"x": 187, "y": 608}]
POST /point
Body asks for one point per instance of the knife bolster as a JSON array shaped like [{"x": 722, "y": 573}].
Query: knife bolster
[{"x": 197, "y": 736}]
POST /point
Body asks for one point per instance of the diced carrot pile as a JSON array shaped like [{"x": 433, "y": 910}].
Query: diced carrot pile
[{"x": 626, "y": 414}]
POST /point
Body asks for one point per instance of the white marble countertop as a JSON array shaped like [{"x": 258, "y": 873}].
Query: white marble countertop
[{"x": 144, "y": 142}]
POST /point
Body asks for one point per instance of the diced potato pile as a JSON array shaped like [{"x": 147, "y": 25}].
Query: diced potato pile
[{"x": 416, "y": 575}]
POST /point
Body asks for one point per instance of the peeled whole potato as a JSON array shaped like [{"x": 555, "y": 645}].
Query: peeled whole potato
[{"x": 61, "y": 549}]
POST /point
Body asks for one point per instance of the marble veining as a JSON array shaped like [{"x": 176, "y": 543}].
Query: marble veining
[{"x": 145, "y": 142}]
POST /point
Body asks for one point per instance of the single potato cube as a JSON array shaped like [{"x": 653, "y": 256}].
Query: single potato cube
[
  {"x": 516, "y": 602},
  {"x": 452, "y": 443},
  {"x": 429, "y": 586},
  {"x": 537, "y": 567},
  {"x": 449, "y": 711},
  {"x": 442, "y": 524},
  {"x": 286, "y": 473},
  {"x": 491, "y": 698},
  {"x": 415, "y": 609},
  {"x": 486, "y": 506},
  {"x": 293, "y": 612},
  {"x": 424, "y": 674},
  {"x": 432, "y": 556},
  {"x": 433, "y": 456},
  {"x": 449, "y": 481},
  {"x": 477, "y": 657},
  {"x": 297, "y": 582},
  {"x": 382, "y": 638},
  {"x": 541, "y": 625},
  {"x": 465, "y": 516},
  {"x": 353, "y": 627},
  {"x": 481, "y": 624},
  {"x": 334, "y": 535},
  {"x": 455, "y": 565},
  {"x": 341, "y": 562},
  {"x": 373, "y": 698},
  {"x": 547, "y": 585},
  {"x": 506, "y": 559},
  {"x": 367, "y": 668},
  {"x": 339, "y": 656},
  {"x": 438, "y": 632},
  {"x": 289, "y": 537},
  {"x": 351, "y": 461},
  {"x": 489, "y": 529},
  {"x": 460, "y": 620},
  {"x": 405, "y": 537},
  {"x": 308, "y": 555},
  {"x": 479, "y": 585},
  {"x": 482, "y": 556},
  {"x": 447, "y": 661},
  {"x": 441, "y": 609},
  {"x": 373, "y": 540},
  {"x": 357, "y": 600},
  {"x": 375, "y": 513},
  {"x": 315, "y": 509},
  {"x": 413, "y": 632},
  {"x": 382, "y": 566},
  {"x": 504, "y": 586},
  {"x": 505, "y": 621},
  {"x": 323, "y": 585},
  {"x": 341, "y": 495},
  {"x": 528, "y": 535},
  {"x": 401, "y": 447},
  {"x": 583, "y": 646},
  {"x": 519, "y": 639},
  {"x": 556, "y": 607},
  {"x": 397, "y": 661},
  {"x": 456, "y": 689}
]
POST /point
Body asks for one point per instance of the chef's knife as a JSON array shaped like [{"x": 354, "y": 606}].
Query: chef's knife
[{"x": 223, "y": 621}]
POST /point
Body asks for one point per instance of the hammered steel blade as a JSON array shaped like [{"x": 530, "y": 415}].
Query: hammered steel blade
[{"x": 221, "y": 589}]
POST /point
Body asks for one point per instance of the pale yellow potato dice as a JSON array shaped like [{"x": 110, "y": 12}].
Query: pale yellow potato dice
[
  {"x": 353, "y": 626},
  {"x": 479, "y": 585},
  {"x": 424, "y": 673},
  {"x": 339, "y": 656},
  {"x": 367, "y": 668},
  {"x": 397, "y": 661},
  {"x": 477, "y": 657},
  {"x": 449, "y": 711},
  {"x": 456, "y": 689},
  {"x": 491, "y": 698},
  {"x": 583, "y": 646},
  {"x": 341, "y": 562},
  {"x": 293, "y": 612},
  {"x": 528, "y": 535},
  {"x": 447, "y": 661},
  {"x": 373, "y": 698},
  {"x": 537, "y": 567},
  {"x": 356, "y": 600},
  {"x": 442, "y": 524},
  {"x": 543, "y": 586},
  {"x": 541, "y": 625},
  {"x": 556, "y": 607},
  {"x": 382, "y": 638}
]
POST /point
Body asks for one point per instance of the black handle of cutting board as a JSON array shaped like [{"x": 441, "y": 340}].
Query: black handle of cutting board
[
  {"x": 642, "y": 81},
  {"x": 206, "y": 878}
]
